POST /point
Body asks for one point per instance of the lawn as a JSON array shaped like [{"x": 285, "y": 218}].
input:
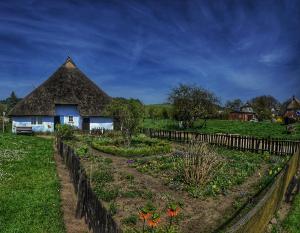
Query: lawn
[
  {"x": 292, "y": 221},
  {"x": 129, "y": 184},
  {"x": 258, "y": 129},
  {"x": 29, "y": 186}
]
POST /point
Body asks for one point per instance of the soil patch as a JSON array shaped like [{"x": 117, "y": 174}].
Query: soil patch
[{"x": 69, "y": 200}]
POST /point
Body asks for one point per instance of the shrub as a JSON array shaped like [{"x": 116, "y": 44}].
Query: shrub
[
  {"x": 102, "y": 176},
  {"x": 82, "y": 151},
  {"x": 200, "y": 164},
  {"x": 65, "y": 131}
]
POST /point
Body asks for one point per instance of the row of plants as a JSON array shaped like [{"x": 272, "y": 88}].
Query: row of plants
[{"x": 140, "y": 145}]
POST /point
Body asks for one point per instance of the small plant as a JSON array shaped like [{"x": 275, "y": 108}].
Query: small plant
[
  {"x": 113, "y": 208},
  {"x": 106, "y": 194},
  {"x": 101, "y": 177},
  {"x": 130, "y": 220},
  {"x": 153, "y": 220},
  {"x": 65, "y": 131},
  {"x": 172, "y": 211},
  {"x": 146, "y": 213}
]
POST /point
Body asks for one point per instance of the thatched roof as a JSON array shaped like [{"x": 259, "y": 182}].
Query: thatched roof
[
  {"x": 68, "y": 85},
  {"x": 294, "y": 104}
]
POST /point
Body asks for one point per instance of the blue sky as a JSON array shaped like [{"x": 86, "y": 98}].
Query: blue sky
[{"x": 142, "y": 49}]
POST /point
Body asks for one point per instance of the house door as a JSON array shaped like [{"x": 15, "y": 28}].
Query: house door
[
  {"x": 56, "y": 121},
  {"x": 86, "y": 124}
]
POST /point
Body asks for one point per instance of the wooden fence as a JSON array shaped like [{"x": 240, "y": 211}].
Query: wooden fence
[
  {"x": 88, "y": 205},
  {"x": 257, "y": 219},
  {"x": 245, "y": 143}
]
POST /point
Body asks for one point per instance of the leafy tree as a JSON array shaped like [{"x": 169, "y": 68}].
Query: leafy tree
[
  {"x": 128, "y": 113},
  {"x": 234, "y": 105},
  {"x": 191, "y": 103},
  {"x": 263, "y": 105}
]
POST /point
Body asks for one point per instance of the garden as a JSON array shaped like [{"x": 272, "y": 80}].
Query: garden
[{"x": 152, "y": 185}]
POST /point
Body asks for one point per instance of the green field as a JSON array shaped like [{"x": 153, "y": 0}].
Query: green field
[
  {"x": 258, "y": 129},
  {"x": 29, "y": 186}
]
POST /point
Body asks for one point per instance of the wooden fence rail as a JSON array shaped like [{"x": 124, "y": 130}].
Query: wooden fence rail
[
  {"x": 245, "y": 143},
  {"x": 88, "y": 205}
]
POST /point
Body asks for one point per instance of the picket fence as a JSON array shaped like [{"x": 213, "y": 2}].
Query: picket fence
[{"x": 275, "y": 146}]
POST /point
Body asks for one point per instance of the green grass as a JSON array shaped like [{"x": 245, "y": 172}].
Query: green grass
[
  {"x": 292, "y": 222},
  {"x": 258, "y": 129},
  {"x": 29, "y": 186}
]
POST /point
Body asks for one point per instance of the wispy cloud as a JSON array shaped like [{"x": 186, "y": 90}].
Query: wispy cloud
[{"x": 143, "y": 48}]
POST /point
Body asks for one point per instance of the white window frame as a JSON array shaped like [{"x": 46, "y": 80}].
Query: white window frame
[{"x": 71, "y": 117}]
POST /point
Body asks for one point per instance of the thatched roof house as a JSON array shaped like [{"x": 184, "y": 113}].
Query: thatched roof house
[
  {"x": 67, "y": 97},
  {"x": 293, "y": 109}
]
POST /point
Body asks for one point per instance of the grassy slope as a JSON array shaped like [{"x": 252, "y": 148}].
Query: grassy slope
[
  {"x": 259, "y": 129},
  {"x": 29, "y": 186}
]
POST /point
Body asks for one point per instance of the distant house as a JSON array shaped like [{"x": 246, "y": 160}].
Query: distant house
[
  {"x": 245, "y": 113},
  {"x": 293, "y": 109},
  {"x": 67, "y": 97}
]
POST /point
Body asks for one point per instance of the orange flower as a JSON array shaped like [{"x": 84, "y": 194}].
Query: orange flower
[
  {"x": 154, "y": 220},
  {"x": 144, "y": 216},
  {"x": 173, "y": 212},
  {"x": 153, "y": 223}
]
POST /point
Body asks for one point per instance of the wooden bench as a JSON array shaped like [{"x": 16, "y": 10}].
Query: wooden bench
[{"x": 24, "y": 130}]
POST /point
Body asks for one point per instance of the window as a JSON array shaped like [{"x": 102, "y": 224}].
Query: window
[
  {"x": 71, "y": 119},
  {"x": 36, "y": 120},
  {"x": 33, "y": 120}
]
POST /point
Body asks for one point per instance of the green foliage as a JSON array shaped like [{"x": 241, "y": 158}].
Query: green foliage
[
  {"x": 102, "y": 176},
  {"x": 192, "y": 102},
  {"x": 128, "y": 114},
  {"x": 140, "y": 146},
  {"x": 29, "y": 186},
  {"x": 82, "y": 151},
  {"x": 262, "y": 105},
  {"x": 292, "y": 223},
  {"x": 130, "y": 220},
  {"x": 113, "y": 208},
  {"x": 65, "y": 131},
  {"x": 106, "y": 193}
]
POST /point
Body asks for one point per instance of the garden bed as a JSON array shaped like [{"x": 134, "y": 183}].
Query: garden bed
[{"x": 126, "y": 185}]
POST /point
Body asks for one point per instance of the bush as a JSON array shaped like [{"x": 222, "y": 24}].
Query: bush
[
  {"x": 200, "y": 164},
  {"x": 82, "y": 151},
  {"x": 65, "y": 131}
]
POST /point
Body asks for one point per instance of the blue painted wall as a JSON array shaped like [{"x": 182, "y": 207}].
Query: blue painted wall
[
  {"x": 64, "y": 111},
  {"x": 46, "y": 126}
]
